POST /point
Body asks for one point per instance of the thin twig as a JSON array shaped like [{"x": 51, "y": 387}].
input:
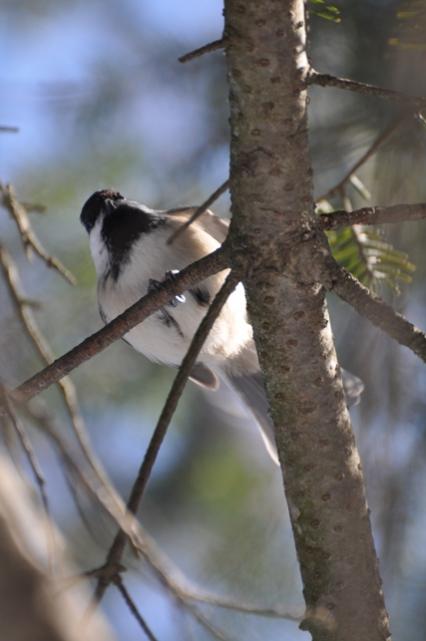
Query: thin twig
[
  {"x": 37, "y": 208},
  {"x": 377, "y": 311},
  {"x": 7, "y": 405},
  {"x": 29, "y": 239},
  {"x": 239, "y": 606},
  {"x": 117, "y": 548},
  {"x": 216, "y": 632},
  {"x": 134, "y": 609},
  {"x": 70, "y": 481},
  {"x": 172, "y": 579},
  {"x": 9, "y": 129},
  {"x": 208, "y": 48},
  {"x": 381, "y": 138},
  {"x": 65, "y": 385},
  {"x": 27, "y": 447},
  {"x": 169, "y": 576},
  {"x": 200, "y": 210},
  {"x": 100, "y": 340},
  {"x": 101, "y": 490},
  {"x": 327, "y": 80},
  {"x": 373, "y": 216}
]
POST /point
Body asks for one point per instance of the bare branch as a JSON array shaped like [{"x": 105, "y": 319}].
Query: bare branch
[
  {"x": 28, "y": 237},
  {"x": 208, "y": 48},
  {"x": 373, "y": 216},
  {"x": 168, "y": 575},
  {"x": 7, "y": 405},
  {"x": 100, "y": 340},
  {"x": 216, "y": 632},
  {"x": 37, "y": 208},
  {"x": 26, "y": 446},
  {"x": 9, "y": 129},
  {"x": 240, "y": 606},
  {"x": 200, "y": 210},
  {"x": 117, "y": 548},
  {"x": 327, "y": 80},
  {"x": 100, "y": 489},
  {"x": 381, "y": 138},
  {"x": 66, "y": 386},
  {"x": 73, "y": 490},
  {"x": 183, "y": 590},
  {"x": 134, "y": 609},
  {"x": 377, "y": 311}
]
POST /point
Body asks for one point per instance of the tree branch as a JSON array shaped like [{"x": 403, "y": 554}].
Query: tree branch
[
  {"x": 32, "y": 330},
  {"x": 373, "y": 216},
  {"x": 100, "y": 340},
  {"x": 327, "y": 80},
  {"x": 381, "y": 138},
  {"x": 28, "y": 237},
  {"x": 134, "y": 609},
  {"x": 117, "y": 548},
  {"x": 9, "y": 129},
  {"x": 321, "y": 467},
  {"x": 200, "y": 210},
  {"x": 377, "y": 311},
  {"x": 208, "y": 48},
  {"x": 240, "y": 606},
  {"x": 163, "y": 569},
  {"x": 27, "y": 447}
]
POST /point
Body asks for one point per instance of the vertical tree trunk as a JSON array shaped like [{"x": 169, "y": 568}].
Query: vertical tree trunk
[{"x": 273, "y": 226}]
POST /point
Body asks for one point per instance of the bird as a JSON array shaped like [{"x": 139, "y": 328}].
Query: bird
[{"x": 132, "y": 256}]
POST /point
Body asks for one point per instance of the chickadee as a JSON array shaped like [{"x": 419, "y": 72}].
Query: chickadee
[{"x": 128, "y": 243}]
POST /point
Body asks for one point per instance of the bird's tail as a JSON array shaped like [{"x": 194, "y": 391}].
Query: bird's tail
[{"x": 251, "y": 389}]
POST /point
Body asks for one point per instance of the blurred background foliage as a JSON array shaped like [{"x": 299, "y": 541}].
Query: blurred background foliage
[{"x": 100, "y": 100}]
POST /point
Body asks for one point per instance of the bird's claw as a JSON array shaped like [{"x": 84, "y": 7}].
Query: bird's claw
[{"x": 154, "y": 285}]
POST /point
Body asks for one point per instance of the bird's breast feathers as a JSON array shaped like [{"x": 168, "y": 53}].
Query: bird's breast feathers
[{"x": 165, "y": 336}]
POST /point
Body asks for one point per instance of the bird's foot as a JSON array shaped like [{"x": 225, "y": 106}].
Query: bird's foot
[{"x": 154, "y": 285}]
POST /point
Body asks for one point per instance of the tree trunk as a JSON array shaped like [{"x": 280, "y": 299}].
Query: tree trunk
[{"x": 274, "y": 231}]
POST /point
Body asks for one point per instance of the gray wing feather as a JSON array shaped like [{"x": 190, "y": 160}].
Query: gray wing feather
[{"x": 251, "y": 389}]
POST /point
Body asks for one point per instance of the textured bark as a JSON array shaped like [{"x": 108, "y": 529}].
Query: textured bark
[{"x": 274, "y": 231}]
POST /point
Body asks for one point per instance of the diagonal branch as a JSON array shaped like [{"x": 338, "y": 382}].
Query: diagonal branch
[
  {"x": 27, "y": 447},
  {"x": 117, "y": 548},
  {"x": 200, "y": 210},
  {"x": 31, "y": 328},
  {"x": 378, "y": 142},
  {"x": 241, "y": 606},
  {"x": 373, "y": 216},
  {"x": 134, "y": 609},
  {"x": 100, "y": 340},
  {"x": 208, "y": 48},
  {"x": 328, "y": 80},
  {"x": 181, "y": 588},
  {"x": 9, "y": 129},
  {"x": 377, "y": 311},
  {"x": 28, "y": 237}
]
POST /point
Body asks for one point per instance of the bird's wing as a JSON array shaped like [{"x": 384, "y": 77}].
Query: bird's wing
[
  {"x": 251, "y": 389},
  {"x": 212, "y": 224}
]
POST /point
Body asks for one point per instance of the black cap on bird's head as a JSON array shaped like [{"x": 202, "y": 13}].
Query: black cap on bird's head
[{"x": 98, "y": 203}]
